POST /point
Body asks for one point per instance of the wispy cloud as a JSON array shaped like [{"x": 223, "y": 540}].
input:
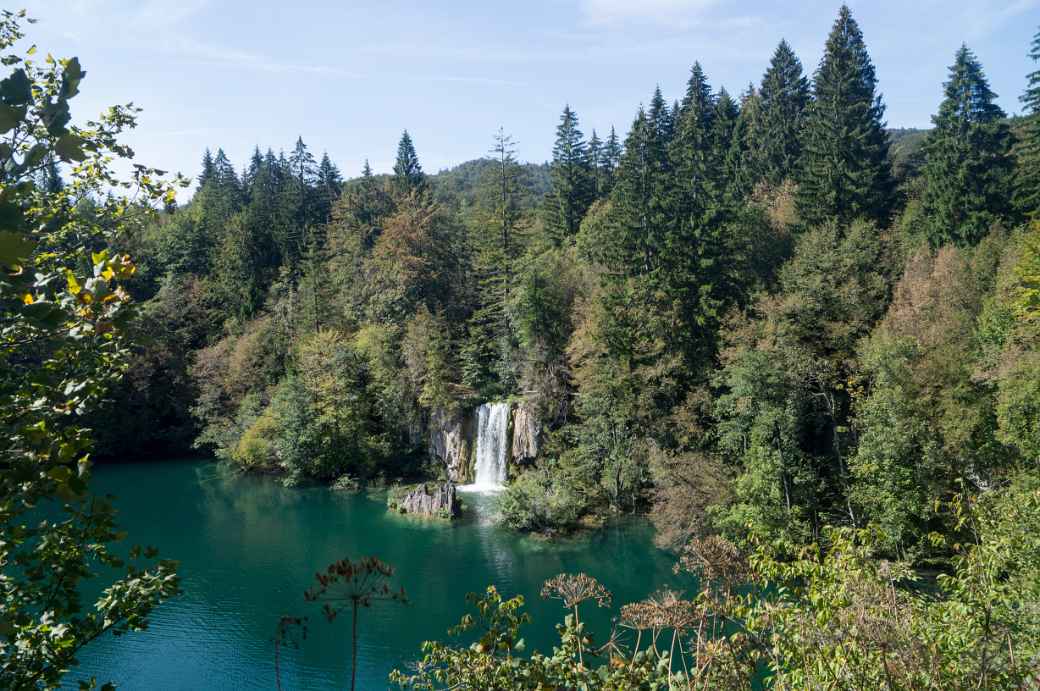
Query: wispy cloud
[
  {"x": 211, "y": 54},
  {"x": 984, "y": 18},
  {"x": 614, "y": 12},
  {"x": 484, "y": 81}
]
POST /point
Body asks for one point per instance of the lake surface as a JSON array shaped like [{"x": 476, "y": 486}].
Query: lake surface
[{"x": 248, "y": 549}]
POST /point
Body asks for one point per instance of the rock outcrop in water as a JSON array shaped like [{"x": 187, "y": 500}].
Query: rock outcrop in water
[
  {"x": 449, "y": 441},
  {"x": 525, "y": 435},
  {"x": 429, "y": 499}
]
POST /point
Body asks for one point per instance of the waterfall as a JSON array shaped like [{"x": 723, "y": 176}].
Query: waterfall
[{"x": 492, "y": 452}]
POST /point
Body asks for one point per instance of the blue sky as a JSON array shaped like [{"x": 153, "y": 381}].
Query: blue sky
[{"x": 350, "y": 75}]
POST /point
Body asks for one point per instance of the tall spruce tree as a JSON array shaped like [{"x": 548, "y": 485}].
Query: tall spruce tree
[
  {"x": 611, "y": 161},
  {"x": 1027, "y": 177},
  {"x": 743, "y": 167},
  {"x": 328, "y": 184},
  {"x": 725, "y": 148},
  {"x": 785, "y": 96},
  {"x": 845, "y": 172},
  {"x": 694, "y": 155},
  {"x": 573, "y": 186},
  {"x": 596, "y": 162},
  {"x": 207, "y": 168},
  {"x": 408, "y": 174},
  {"x": 489, "y": 358},
  {"x": 967, "y": 158}
]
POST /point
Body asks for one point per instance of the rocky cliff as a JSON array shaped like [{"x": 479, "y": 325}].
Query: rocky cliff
[
  {"x": 450, "y": 442},
  {"x": 525, "y": 435},
  {"x": 428, "y": 499}
]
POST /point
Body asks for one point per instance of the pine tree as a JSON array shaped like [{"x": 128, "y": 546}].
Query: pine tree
[
  {"x": 1027, "y": 177},
  {"x": 489, "y": 354},
  {"x": 224, "y": 176},
  {"x": 694, "y": 156},
  {"x": 784, "y": 98},
  {"x": 207, "y": 168},
  {"x": 661, "y": 117},
  {"x": 251, "y": 171},
  {"x": 845, "y": 172},
  {"x": 328, "y": 185},
  {"x": 724, "y": 147},
  {"x": 408, "y": 174},
  {"x": 596, "y": 163},
  {"x": 611, "y": 161},
  {"x": 743, "y": 167},
  {"x": 572, "y": 181},
  {"x": 302, "y": 164},
  {"x": 967, "y": 158}
]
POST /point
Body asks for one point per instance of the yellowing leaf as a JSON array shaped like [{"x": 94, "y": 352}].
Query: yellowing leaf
[
  {"x": 74, "y": 286},
  {"x": 27, "y": 299}
]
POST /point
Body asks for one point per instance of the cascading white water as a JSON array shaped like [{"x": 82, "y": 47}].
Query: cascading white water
[{"x": 492, "y": 453}]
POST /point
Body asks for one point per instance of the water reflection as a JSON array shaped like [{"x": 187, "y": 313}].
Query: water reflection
[{"x": 249, "y": 548}]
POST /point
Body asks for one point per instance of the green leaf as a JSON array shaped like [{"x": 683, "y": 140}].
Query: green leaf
[
  {"x": 44, "y": 314},
  {"x": 35, "y": 156},
  {"x": 56, "y": 115},
  {"x": 71, "y": 78},
  {"x": 60, "y": 473},
  {"x": 16, "y": 90},
  {"x": 14, "y": 248},
  {"x": 10, "y": 116},
  {"x": 69, "y": 148}
]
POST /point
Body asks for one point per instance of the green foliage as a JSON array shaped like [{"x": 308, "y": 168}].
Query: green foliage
[
  {"x": 573, "y": 182},
  {"x": 967, "y": 163},
  {"x": 845, "y": 171},
  {"x": 783, "y": 100},
  {"x": 65, "y": 315},
  {"x": 1027, "y": 172},
  {"x": 542, "y": 501}
]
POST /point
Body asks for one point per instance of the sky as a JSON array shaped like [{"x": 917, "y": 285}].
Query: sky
[{"x": 349, "y": 76}]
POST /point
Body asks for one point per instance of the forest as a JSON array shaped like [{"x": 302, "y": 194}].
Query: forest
[{"x": 804, "y": 345}]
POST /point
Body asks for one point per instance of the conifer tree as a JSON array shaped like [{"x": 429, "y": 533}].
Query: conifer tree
[
  {"x": 784, "y": 98},
  {"x": 302, "y": 164},
  {"x": 611, "y": 161},
  {"x": 595, "y": 160},
  {"x": 694, "y": 156},
  {"x": 207, "y": 168},
  {"x": 1027, "y": 178},
  {"x": 743, "y": 166},
  {"x": 640, "y": 205},
  {"x": 328, "y": 184},
  {"x": 224, "y": 176},
  {"x": 726, "y": 149},
  {"x": 408, "y": 174},
  {"x": 967, "y": 158},
  {"x": 845, "y": 172},
  {"x": 489, "y": 355},
  {"x": 251, "y": 171},
  {"x": 573, "y": 186}
]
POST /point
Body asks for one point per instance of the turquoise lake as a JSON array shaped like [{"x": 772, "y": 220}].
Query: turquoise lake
[{"x": 248, "y": 548}]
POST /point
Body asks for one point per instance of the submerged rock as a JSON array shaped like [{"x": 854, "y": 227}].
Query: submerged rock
[
  {"x": 525, "y": 435},
  {"x": 449, "y": 442},
  {"x": 428, "y": 499}
]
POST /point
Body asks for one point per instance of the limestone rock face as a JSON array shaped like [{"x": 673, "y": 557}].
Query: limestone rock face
[
  {"x": 525, "y": 435},
  {"x": 430, "y": 499},
  {"x": 449, "y": 442}
]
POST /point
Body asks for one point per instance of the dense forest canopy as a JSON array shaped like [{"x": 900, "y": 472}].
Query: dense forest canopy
[{"x": 764, "y": 319}]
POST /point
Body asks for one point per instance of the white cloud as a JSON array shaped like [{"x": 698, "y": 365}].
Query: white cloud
[
  {"x": 607, "y": 12},
  {"x": 191, "y": 49}
]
